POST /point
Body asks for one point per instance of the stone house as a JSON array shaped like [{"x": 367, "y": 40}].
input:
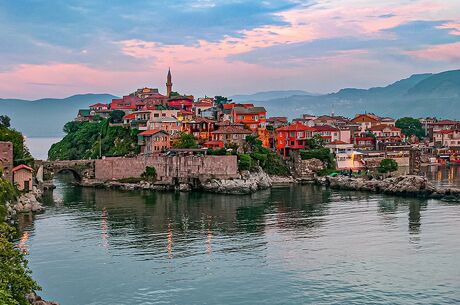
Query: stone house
[{"x": 154, "y": 141}]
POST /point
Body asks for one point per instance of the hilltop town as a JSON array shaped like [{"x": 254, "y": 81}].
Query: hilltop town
[{"x": 160, "y": 120}]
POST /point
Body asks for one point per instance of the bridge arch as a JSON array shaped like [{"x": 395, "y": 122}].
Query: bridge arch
[{"x": 81, "y": 169}]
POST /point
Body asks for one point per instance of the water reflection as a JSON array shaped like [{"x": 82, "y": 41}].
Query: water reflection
[
  {"x": 443, "y": 175},
  {"x": 289, "y": 245}
]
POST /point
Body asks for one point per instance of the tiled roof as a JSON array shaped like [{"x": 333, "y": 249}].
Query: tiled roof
[
  {"x": 251, "y": 110},
  {"x": 296, "y": 127},
  {"x": 22, "y": 166},
  {"x": 84, "y": 112},
  {"x": 98, "y": 105},
  {"x": 383, "y": 126},
  {"x": 338, "y": 142},
  {"x": 324, "y": 128},
  {"x": 130, "y": 116},
  {"x": 151, "y": 132},
  {"x": 231, "y": 130}
]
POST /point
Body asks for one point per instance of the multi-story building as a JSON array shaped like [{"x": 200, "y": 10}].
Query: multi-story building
[
  {"x": 154, "y": 141},
  {"x": 328, "y": 133},
  {"x": 231, "y": 134},
  {"x": 292, "y": 137}
]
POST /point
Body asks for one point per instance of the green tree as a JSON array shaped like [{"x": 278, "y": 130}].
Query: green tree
[
  {"x": 315, "y": 142},
  {"x": 245, "y": 162},
  {"x": 84, "y": 139},
  {"x": 387, "y": 166},
  {"x": 322, "y": 154},
  {"x": 116, "y": 116},
  {"x": 5, "y": 121},
  {"x": 20, "y": 152},
  {"x": 220, "y": 100},
  {"x": 185, "y": 140},
  {"x": 410, "y": 126}
]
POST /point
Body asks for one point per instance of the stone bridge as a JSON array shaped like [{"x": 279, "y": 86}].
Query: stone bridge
[{"x": 79, "y": 168}]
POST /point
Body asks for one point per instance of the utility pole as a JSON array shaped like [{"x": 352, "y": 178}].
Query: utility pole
[{"x": 100, "y": 145}]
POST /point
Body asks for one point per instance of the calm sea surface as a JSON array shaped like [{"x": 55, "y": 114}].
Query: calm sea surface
[
  {"x": 39, "y": 147},
  {"x": 289, "y": 245}
]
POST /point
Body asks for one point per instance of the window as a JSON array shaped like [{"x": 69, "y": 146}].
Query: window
[
  {"x": 292, "y": 143},
  {"x": 292, "y": 133},
  {"x": 281, "y": 134},
  {"x": 299, "y": 134}
]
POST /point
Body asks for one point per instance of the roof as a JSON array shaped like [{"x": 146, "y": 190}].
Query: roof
[
  {"x": 250, "y": 110},
  {"x": 84, "y": 112},
  {"x": 229, "y": 106},
  {"x": 130, "y": 116},
  {"x": 337, "y": 142},
  {"x": 98, "y": 105},
  {"x": 203, "y": 104},
  {"x": 364, "y": 118},
  {"x": 151, "y": 132},
  {"x": 22, "y": 166},
  {"x": 383, "y": 126},
  {"x": 445, "y": 122},
  {"x": 296, "y": 127},
  {"x": 324, "y": 128},
  {"x": 213, "y": 143},
  {"x": 278, "y": 118},
  {"x": 231, "y": 130}
]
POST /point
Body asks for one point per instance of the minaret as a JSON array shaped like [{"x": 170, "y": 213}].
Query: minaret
[{"x": 168, "y": 83}]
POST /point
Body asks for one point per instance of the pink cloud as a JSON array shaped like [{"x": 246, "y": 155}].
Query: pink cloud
[{"x": 447, "y": 52}]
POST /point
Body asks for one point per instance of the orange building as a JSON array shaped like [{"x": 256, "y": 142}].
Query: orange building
[
  {"x": 254, "y": 119},
  {"x": 292, "y": 137}
]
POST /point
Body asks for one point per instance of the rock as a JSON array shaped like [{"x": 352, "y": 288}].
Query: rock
[
  {"x": 185, "y": 187},
  {"x": 282, "y": 180},
  {"x": 249, "y": 182},
  {"x": 34, "y": 299}
]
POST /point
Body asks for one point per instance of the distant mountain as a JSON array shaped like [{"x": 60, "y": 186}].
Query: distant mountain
[
  {"x": 268, "y": 95},
  {"x": 419, "y": 95},
  {"x": 46, "y": 117}
]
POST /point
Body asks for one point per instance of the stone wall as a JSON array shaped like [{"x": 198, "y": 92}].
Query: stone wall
[
  {"x": 6, "y": 159},
  {"x": 169, "y": 169}
]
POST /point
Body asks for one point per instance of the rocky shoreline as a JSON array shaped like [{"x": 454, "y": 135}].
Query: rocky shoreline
[{"x": 407, "y": 185}]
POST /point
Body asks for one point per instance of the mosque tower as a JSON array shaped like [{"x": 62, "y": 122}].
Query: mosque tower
[{"x": 168, "y": 83}]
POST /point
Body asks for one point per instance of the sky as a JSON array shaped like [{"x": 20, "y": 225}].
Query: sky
[{"x": 57, "y": 48}]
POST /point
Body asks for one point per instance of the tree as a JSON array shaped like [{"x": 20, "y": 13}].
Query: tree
[
  {"x": 20, "y": 152},
  {"x": 185, "y": 141},
  {"x": 321, "y": 153},
  {"x": 5, "y": 121},
  {"x": 71, "y": 127},
  {"x": 220, "y": 100},
  {"x": 410, "y": 126},
  {"x": 316, "y": 142},
  {"x": 150, "y": 174},
  {"x": 116, "y": 116},
  {"x": 387, "y": 166}
]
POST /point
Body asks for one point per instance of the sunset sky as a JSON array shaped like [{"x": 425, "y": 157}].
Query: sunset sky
[{"x": 56, "y": 48}]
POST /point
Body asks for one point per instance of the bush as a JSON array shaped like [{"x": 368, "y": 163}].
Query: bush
[
  {"x": 387, "y": 166},
  {"x": 244, "y": 162},
  {"x": 130, "y": 180},
  {"x": 322, "y": 154},
  {"x": 217, "y": 152},
  {"x": 185, "y": 141},
  {"x": 150, "y": 174}
]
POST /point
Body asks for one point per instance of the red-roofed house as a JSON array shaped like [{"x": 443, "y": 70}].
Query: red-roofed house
[
  {"x": 22, "y": 177},
  {"x": 154, "y": 141},
  {"x": 181, "y": 102},
  {"x": 366, "y": 121},
  {"x": 328, "y": 133},
  {"x": 386, "y": 133},
  {"x": 231, "y": 134},
  {"x": 292, "y": 137}
]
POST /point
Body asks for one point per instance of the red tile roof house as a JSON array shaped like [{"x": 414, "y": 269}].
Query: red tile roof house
[
  {"x": 229, "y": 134},
  {"x": 328, "y": 133},
  {"x": 387, "y": 133},
  {"x": 22, "y": 177},
  {"x": 154, "y": 141},
  {"x": 292, "y": 137},
  {"x": 100, "y": 109}
]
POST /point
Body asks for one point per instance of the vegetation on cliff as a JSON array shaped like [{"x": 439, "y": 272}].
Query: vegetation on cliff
[
  {"x": 387, "y": 166},
  {"x": 86, "y": 140},
  {"x": 21, "y": 154},
  {"x": 271, "y": 162},
  {"x": 15, "y": 279}
]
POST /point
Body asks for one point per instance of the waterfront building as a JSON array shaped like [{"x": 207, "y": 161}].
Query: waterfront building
[
  {"x": 231, "y": 134},
  {"x": 292, "y": 137},
  {"x": 84, "y": 115},
  {"x": 200, "y": 128},
  {"x": 22, "y": 177},
  {"x": 154, "y": 141}
]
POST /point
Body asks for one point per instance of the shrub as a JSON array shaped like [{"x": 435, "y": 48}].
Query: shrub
[
  {"x": 244, "y": 162},
  {"x": 322, "y": 154},
  {"x": 150, "y": 174},
  {"x": 387, "y": 166},
  {"x": 217, "y": 152}
]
